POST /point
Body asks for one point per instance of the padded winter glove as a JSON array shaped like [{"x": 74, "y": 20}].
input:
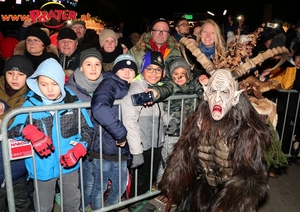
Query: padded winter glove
[
  {"x": 137, "y": 160},
  {"x": 40, "y": 142},
  {"x": 172, "y": 127},
  {"x": 73, "y": 155}
]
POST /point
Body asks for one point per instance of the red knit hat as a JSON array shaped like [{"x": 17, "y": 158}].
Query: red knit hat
[{"x": 7, "y": 47}]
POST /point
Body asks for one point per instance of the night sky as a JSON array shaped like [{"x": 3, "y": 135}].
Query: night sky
[{"x": 134, "y": 14}]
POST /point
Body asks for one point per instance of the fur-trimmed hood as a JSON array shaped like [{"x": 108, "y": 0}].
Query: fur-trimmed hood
[
  {"x": 143, "y": 43},
  {"x": 21, "y": 48},
  {"x": 143, "y": 46}
]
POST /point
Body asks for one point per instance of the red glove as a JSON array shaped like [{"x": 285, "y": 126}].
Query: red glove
[
  {"x": 40, "y": 142},
  {"x": 73, "y": 155}
]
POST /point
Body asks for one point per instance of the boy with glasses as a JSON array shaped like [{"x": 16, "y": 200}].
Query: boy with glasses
[{"x": 138, "y": 121}]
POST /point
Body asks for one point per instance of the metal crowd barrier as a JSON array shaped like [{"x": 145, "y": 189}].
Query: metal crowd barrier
[
  {"x": 6, "y": 149},
  {"x": 286, "y": 127}
]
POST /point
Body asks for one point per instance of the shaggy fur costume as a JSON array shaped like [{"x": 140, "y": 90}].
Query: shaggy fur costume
[{"x": 219, "y": 166}]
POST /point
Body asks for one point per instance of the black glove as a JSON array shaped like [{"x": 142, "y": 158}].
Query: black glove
[{"x": 137, "y": 160}]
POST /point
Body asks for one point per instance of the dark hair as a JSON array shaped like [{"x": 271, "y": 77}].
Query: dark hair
[
  {"x": 177, "y": 21},
  {"x": 90, "y": 39}
]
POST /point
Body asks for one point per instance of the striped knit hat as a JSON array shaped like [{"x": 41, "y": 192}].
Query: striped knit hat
[
  {"x": 92, "y": 52},
  {"x": 124, "y": 61}
]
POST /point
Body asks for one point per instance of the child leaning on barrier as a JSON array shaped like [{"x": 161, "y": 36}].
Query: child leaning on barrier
[
  {"x": 180, "y": 81},
  {"x": 138, "y": 121},
  {"x": 13, "y": 92},
  {"x": 53, "y": 132},
  {"x": 113, "y": 132},
  {"x": 83, "y": 82}
]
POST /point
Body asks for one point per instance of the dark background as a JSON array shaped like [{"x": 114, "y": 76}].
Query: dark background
[{"x": 136, "y": 15}]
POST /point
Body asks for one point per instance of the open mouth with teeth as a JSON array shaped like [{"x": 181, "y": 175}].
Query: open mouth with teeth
[{"x": 217, "y": 108}]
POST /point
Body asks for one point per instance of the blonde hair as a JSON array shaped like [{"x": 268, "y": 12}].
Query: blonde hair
[{"x": 220, "y": 43}]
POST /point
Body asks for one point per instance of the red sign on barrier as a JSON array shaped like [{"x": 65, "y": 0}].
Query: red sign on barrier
[{"x": 20, "y": 149}]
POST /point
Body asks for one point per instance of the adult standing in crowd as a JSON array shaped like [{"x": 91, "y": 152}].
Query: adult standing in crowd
[
  {"x": 196, "y": 31},
  {"x": 79, "y": 28},
  {"x": 69, "y": 55},
  {"x": 158, "y": 39},
  {"x": 90, "y": 40},
  {"x": 110, "y": 48},
  {"x": 212, "y": 44},
  {"x": 182, "y": 28},
  {"x": 36, "y": 47},
  {"x": 235, "y": 25}
]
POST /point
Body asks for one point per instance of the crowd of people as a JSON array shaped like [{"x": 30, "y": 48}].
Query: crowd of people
[{"x": 78, "y": 65}]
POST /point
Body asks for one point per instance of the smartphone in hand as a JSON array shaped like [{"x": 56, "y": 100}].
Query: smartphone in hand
[{"x": 142, "y": 98}]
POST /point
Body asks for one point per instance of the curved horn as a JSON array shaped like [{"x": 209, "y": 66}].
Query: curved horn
[
  {"x": 251, "y": 63},
  {"x": 201, "y": 58}
]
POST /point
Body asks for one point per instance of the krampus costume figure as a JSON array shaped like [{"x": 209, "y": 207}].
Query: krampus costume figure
[{"x": 218, "y": 163}]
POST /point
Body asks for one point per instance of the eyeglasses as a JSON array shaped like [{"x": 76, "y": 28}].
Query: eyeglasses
[
  {"x": 35, "y": 41},
  {"x": 151, "y": 70},
  {"x": 184, "y": 25},
  {"x": 157, "y": 31}
]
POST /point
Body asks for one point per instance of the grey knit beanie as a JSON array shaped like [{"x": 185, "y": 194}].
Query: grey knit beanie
[
  {"x": 92, "y": 52},
  {"x": 179, "y": 62}
]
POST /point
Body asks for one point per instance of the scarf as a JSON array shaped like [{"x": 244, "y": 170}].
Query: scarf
[
  {"x": 83, "y": 82},
  {"x": 9, "y": 90},
  {"x": 208, "y": 51},
  {"x": 109, "y": 57},
  {"x": 36, "y": 60},
  {"x": 155, "y": 47}
]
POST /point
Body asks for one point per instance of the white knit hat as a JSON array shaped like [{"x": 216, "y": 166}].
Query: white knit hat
[{"x": 104, "y": 34}]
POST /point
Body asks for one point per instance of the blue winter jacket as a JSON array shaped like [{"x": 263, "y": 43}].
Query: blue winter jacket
[
  {"x": 48, "y": 167},
  {"x": 107, "y": 115}
]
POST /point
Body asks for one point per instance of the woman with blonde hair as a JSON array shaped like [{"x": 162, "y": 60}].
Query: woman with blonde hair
[{"x": 212, "y": 44}]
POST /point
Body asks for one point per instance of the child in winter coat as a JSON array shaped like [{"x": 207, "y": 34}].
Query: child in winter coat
[
  {"x": 138, "y": 121},
  {"x": 13, "y": 91},
  {"x": 113, "y": 131},
  {"x": 181, "y": 82},
  {"x": 57, "y": 142},
  {"x": 83, "y": 82}
]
